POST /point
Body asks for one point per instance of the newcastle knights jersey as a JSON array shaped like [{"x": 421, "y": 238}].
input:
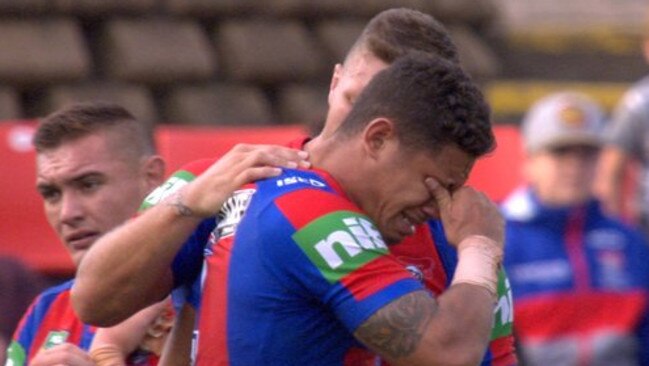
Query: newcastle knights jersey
[
  {"x": 49, "y": 321},
  {"x": 426, "y": 254},
  {"x": 289, "y": 281}
]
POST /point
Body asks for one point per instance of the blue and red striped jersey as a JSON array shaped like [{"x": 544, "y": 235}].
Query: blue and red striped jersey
[
  {"x": 49, "y": 321},
  {"x": 580, "y": 282},
  {"x": 426, "y": 254},
  {"x": 289, "y": 281}
]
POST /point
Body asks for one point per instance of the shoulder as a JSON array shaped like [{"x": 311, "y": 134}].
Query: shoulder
[
  {"x": 43, "y": 303},
  {"x": 197, "y": 167},
  {"x": 303, "y": 190},
  {"x": 53, "y": 292},
  {"x": 309, "y": 204},
  {"x": 176, "y": 181},
  {"x": 637, "y": 97}
]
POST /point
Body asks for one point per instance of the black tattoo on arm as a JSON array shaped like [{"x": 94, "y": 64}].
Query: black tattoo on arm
[
  {"x": 396, "y": 329},
  {"x": 176, "y": 201}
]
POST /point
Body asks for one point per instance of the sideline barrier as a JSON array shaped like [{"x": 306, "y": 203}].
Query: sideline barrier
[{"x": 24, "y": 232}]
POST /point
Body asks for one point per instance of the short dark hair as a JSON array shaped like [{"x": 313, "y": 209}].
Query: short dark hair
[
  {"x": 82, "y": 119},
  {"x": 432, "y": 102},
  {"x": 394, "y": 33}
]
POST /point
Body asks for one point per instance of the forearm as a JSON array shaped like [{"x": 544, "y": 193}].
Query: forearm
[
  {"x": 462, "y": 325},
  {"x": 130, "y": 267},
  {"x": 177, "y": 350},
  {"x": 463, "y": 322},
  {"x": 454, "y": 330}
]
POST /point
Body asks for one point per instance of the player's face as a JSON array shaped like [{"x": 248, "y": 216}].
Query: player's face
[
  {"x": 563, "y": 176},
  {"x": 347, "y": 83},
  {"x": 88, "y": 186},
  {"x": 401, "y": 193}
]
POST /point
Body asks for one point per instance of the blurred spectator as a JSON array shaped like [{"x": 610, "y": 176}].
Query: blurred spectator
[
  {"x": 18, "y": 286},
  {"x": 628, "y": 141},
  {"x": 579, "y": 277}
]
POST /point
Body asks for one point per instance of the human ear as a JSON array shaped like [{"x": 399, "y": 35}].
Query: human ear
[
  {"x": 335, "y": 78},
  {"x": 377, "y": 134},
  {"x": 154, "y": 171}
]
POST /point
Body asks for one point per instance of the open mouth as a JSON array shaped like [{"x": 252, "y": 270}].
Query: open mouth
[{"x": 407, "y": 225}]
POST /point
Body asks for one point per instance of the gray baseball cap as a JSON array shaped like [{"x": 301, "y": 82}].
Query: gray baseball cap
[{"x": 560, "y": 119}]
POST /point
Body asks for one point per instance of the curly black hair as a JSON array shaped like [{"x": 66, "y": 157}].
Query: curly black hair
[{"x": 432, "y": 102}]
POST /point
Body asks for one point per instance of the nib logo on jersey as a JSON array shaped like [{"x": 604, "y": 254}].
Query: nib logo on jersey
[{"x": 340, "y": 242}]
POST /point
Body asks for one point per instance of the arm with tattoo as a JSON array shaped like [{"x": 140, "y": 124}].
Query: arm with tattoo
[
  {"x": 396, "y": 330},
  {"x": 418, "y": 330}
]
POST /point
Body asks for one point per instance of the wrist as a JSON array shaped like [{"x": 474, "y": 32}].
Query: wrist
[
  {"x": 479, "y": 259},
  {"x": 108, "y": 355},
  {"x": 176, "y": 201}
]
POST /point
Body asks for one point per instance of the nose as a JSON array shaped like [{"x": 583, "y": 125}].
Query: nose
[{"x": 70, "y": 209}]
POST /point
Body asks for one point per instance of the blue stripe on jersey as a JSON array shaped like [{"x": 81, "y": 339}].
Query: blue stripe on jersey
[
  {"x": 188, "y": 262},
  {"x": 281, "y": 311},
  {"x": 38, "y": 312}
]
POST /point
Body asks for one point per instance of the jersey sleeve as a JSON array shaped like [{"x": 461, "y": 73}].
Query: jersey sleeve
[
  {"x": 187, "y": 264},
  {"x": 23, "y": 336},
  {"x": 48, "y": 321},
  {"x": 175, "y": 182},
  {"x": 336, "y": 254}
]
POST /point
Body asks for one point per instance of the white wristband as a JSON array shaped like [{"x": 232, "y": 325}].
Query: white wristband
[{"x": 479, "y": 258}]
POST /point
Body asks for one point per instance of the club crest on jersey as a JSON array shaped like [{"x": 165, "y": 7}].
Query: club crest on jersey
[
  {"x": 419, "y": 268},
  {"x": 415, "y": 272},
  {"x": 54, "y": 338},
  {"x": 340, "y": 242},
  {"x": 232, "y": 212}
]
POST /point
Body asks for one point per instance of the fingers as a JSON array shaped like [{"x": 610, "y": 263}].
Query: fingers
[
  {"x": 277, "y": 156},
  {"x": 441, "y": 196},
  {"x": 62, "y": 354},
  {"x": 465, "y": 212}
]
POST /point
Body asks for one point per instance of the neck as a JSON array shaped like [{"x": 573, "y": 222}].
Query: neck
[
  {"x": 339, "y": 159},
  {"x": 321, "y": 151}
]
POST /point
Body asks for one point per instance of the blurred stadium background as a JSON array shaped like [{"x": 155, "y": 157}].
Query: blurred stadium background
[{"x": 259, "y": 64}]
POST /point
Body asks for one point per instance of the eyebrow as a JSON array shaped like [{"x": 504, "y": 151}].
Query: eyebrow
[{"x": 90, "y": 174}]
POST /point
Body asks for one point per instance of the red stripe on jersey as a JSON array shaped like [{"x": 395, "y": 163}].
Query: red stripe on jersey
[
  {"x": 503, "y": 351},
  {"x": 374, "y": 276},
  {"x": 357, "y": 356},
  {"x": 297, "y": 209},
  {"x": 419, "y": 250},
  {"x": 548, "y": 316},
  {"x": 298, "y": 143},
  {"x": 21, "y": 323},
  {"x": 212, "y": 340},
  {"x": 60, "y": 317},
  {"x": 197, "y": 167}
]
